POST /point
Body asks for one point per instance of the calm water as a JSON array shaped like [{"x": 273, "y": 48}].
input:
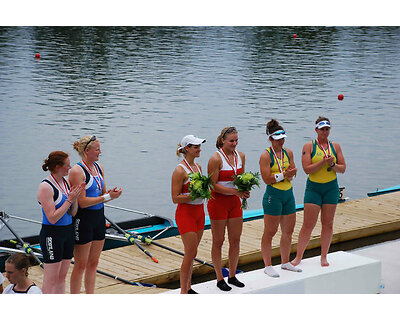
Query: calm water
[{"x": 141, "y": 89}]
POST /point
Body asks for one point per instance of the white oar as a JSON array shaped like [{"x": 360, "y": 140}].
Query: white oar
[
  {"x": 23, "y": 219},
  {"x": 11, "y": 250}
]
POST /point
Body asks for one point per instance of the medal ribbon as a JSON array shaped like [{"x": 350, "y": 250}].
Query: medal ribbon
[
  {"x": 329, "y": 149},
  {"x": 98, "y": 174},
  {"x": 227, "y": 160},
  {"x": 66, "y": 192},
  {"x": 190, "y": 168},
  {"x": 277, "y": 160}
]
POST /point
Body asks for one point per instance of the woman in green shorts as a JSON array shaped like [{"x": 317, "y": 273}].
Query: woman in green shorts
[
  {"x": 321, "y": 160},
  {"x": 277, "y": 170}
]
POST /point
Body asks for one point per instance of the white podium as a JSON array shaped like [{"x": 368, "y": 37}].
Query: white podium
[{"x": 347, "y": 273}]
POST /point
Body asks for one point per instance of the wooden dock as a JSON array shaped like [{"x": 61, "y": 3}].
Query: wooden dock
[{"x": 354, "y": 220}]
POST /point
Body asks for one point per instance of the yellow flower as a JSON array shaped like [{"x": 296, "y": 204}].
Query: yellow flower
[{"x": 197, "y": 185}]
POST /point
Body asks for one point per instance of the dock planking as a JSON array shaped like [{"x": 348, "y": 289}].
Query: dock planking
[{"x": 354, "y": 220}]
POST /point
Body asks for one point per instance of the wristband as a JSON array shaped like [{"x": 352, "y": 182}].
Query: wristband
[
  {"x": 106, "y": 197},
  {"x": 68, "y": 201},
  {"x": 334, "y": 164},
  {"x": 279, "y": 177}
]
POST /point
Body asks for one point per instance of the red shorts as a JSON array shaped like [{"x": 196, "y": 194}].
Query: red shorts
[
  {"x": 223, "y": 207},
  {"x": 189, "y": 217}
]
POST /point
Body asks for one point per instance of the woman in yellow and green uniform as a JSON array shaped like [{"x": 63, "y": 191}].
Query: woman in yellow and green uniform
[
  {"x": 321, "y": 160},
  {"x": 277, "y": 169}
]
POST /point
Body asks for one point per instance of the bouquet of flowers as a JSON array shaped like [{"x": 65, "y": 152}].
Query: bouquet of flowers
[
  {"x": 200, "y": 186},
  {"x": 245, "y": 182}
]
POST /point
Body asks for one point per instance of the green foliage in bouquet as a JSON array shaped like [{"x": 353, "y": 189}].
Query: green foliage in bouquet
[
  {"x": 200, "y": 186},
  {"x": 245, "y": 182}
]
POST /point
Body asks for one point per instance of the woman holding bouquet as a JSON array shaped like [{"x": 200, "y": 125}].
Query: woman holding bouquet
[
  {"x": 189, "y": 215},
  {"x": 321, "y": 160},
  {"x": 277, "y": 170},
  {"x": 224, "y": 208}
]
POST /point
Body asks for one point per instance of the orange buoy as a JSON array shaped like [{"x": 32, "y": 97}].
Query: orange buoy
[
  {"x": 340, "y": 97},
  {"x": 37, "y": 56},
  {"x": 294, "y": 36}
]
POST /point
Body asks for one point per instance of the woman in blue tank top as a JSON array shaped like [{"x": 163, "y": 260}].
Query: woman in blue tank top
[
  {"x": 59, "y": 204},
  {"x": 89, "y": 222}
]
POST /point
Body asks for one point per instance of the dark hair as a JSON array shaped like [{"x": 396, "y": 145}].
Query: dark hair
[
  {"x": 321, "y": 118},
  {"x": 20, "y": 261},
  {"x": 272, "y": 126},
  {"x": 224, "y": 132},
  {"x": 55, "y": 158}
]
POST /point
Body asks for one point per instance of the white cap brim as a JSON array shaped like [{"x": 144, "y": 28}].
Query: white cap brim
[
  {"x": 190, "y": 139},
  {"x": 323, "y": 126},
  {"x": 278, "y": 137}
]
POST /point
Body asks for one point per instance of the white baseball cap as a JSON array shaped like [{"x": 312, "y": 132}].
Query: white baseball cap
[
  {"x": 190, "y": 139},
  {"x": 277, "y": 135}
]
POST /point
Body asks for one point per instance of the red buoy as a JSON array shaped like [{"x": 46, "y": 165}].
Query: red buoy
[
  {"x": 294, "y": 36},
  {"x": 37, "y": 56},
  {"x": 340, "y": 97}
]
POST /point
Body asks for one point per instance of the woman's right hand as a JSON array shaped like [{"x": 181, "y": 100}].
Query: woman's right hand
[
  {"x": 290, "y": 173},
  {"x": 75, "y": 192},
  {"x": 329, "y": 160},
  {"x": 243, "y": 194}
]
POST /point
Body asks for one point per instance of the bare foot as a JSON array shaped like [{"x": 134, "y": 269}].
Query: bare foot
[
  {"x": 295, "y": 262},
  {"x": 324, "y": 262}
]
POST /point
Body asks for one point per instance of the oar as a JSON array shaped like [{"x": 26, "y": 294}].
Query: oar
[
  {"x": 225, "y": 271},
  {"x": 128, "y": 236},
  {"x": 140, "y": 284},
  {"x": 39, "y": 253},
  {"x": 151, "y": 241},
  {"x": 25, "y": 245},
  {"x": 22, "y": 219},
  {"x": 170, "y": 221},
  {"x": 131, "y": 239},
  {"x": 5, "y": 217},
  {"x": 11, "y": 251},
  {"x": 147, "y": 240}
]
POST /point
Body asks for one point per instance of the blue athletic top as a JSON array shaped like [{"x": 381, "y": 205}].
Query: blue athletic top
[
  {"x": 59, "y": 199},
  {"x": 92, "y": 187}
]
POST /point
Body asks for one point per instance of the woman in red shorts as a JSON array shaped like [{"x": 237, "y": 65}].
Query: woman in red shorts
[
  {"x": 224, "y": 208},
  {"x": 189, "y": 215}
]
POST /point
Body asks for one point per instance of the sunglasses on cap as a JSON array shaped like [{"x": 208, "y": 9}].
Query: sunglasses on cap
[
  {"x": 279, "y": 132},
  {"x": 322, "y": 124},
  {"x": 93, "y": 138}
]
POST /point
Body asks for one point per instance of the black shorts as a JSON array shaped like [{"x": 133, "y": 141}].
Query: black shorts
[
  {"x": 56, "y": 242},
  {"x": 89, "y": 225}
]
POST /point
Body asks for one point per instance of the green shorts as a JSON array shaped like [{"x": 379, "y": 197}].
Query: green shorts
[
  {"x": 322, "y": 193},
  {"x": 278, "y": 202}
]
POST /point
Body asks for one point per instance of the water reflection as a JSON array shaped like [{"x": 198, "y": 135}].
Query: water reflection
[{"x": 140, "y": 89}]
